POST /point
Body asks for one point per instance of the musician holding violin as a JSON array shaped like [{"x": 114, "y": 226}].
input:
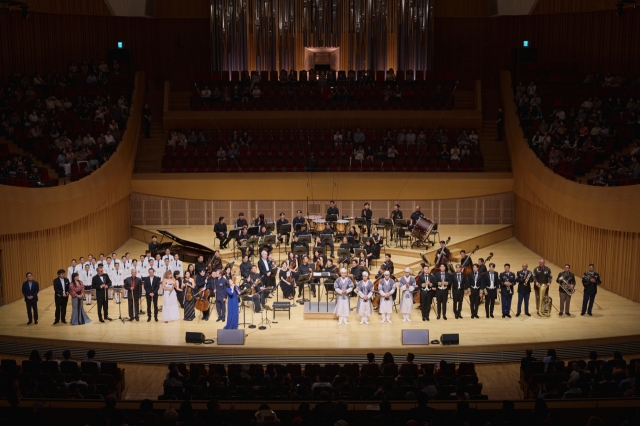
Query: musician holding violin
[
  {"x": 254, "y": 282},
  {"x": 287, "y": 281}
]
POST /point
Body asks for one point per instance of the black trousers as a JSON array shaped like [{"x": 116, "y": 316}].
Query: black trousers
[
  {"x": 134, "y": 306},
  {"x": 426, "y": 297},
  {"x": 474, "y": 301},
  {"x": 441, "y": 301},
  {"x": 61, "y": 307},
  {"x": 489, "y": 303},
  {"x": 103, "y": 306},
  {"x": 221, "y": 309},
  {"x": 458, "y": 298},
  {"x": 223, "y": 240},
  {"x": 147, "y": 128},
  {"x": 153, "y": 299},
  {"x": 32, "y": 309},
  {"x": 328, "y": 243}
]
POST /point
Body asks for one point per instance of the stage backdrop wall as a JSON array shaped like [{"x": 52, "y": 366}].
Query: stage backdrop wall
[
  {"x": 153, "y": 210},
  {"x": 46, "y": 227},
  {"x": 572, "y": 223}
]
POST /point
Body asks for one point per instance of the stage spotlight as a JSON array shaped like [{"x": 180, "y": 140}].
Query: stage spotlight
[{"x": 25, "y": 12}]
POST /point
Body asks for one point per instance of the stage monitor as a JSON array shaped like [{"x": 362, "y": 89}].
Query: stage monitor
[
  {"x": 450, "y": 339},
  {"x": 192, "y": 337},
  {"x": 230, "y": 337},
  {"x": 415, "y": 337}
]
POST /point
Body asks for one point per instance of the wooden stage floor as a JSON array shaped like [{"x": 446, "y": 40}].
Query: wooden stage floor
[{"x": 615, "y": 321}]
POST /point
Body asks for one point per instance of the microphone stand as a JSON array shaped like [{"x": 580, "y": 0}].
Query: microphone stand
[{"x": 120, "y": 307}]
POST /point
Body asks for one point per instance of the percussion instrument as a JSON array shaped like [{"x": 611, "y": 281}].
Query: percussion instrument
[
  {"x": 319, "y": 224},
  {"x": 422, "y": 228},
  {"x": 341, "y": 226},
  {"x": 314, "y": 217}
]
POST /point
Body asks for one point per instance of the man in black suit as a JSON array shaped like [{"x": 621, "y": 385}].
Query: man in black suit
[
  {"x": 590, "y": 281},
  {"x": 151, "y": 287},
  {"x": 100, "y": 283},
  {"x": 425, "y": 283},
  {"x": 507, "y": 282},
  {"x": 490, "y": 282},
  {"x": 219, "y": 284},
  {"x": 61, "y": 296},
  {"x": 474, "y": 283},
  {"x": 133, "y": 285},
  {"x": 220, "y": 229},
  {"x": 153, "y": 245},
  {"x": 264, "y": 267},
  {"x": 459, "y": 285},
  {"x": 443, "y": 278},
  {"x": 30, "y": 290}
]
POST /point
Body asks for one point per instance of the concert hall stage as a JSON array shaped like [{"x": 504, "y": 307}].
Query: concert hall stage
[{"x": 615, "y": 321}]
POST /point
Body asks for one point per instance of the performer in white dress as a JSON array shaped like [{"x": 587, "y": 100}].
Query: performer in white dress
[
  {"x": 365, "y": 291},
  {"x": 170, "y": 311},
  {"x": 407, "y": 286},
  {"x": 343, "y": 286},
  {"x": 386, "y": 287}
]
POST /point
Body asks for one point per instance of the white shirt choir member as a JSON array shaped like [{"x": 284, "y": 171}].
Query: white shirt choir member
[
  {"x": 407, "y": 286},
  {"x": 109, "y": 267},
  {"x": 86, "y": 277},
  {"x": 343, "y": 286},
  {"x": 386, "y": 288},
  {"x": 176, "y": 264},
  {"x": 117, "y": 279},
  {"x": 365, "y": 291}
]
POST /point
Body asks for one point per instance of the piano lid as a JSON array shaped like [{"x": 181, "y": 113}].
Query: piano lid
[{"x": 190, "y": 246}]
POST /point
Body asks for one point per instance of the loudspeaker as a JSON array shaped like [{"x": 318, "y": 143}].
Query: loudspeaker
[
  {"x": 415, "y": 337},
  {"x": 230, "y": 337},
  {"x": 194, "y": 337},
  {"x": 450, "y": 339}
]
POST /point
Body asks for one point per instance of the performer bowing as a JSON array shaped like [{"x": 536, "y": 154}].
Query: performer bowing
[
  {"x": 342, "y": 286},
  {"x": 507, "y": 281},
  {"x": 590, "y": 281},
  {"x": 442, "y": 293},
  {"x": 407, "y": 284},
  {"x": 459, "y": 283}
]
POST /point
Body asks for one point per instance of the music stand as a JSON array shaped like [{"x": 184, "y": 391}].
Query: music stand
[
  {"x": 305, "y": 239},
  {"x": 300, "y": 225},
  {"x": 233, "y": 235},
  {"x": 399, "y": 224},
  {"x": 300, "y": 251},
  {"x": 344, "y": 254},
  {"x": 360, "y": 221},
  {"x": 284, "y": 230},
  {"x": 351, "y": 240},
  {"x": 320, "y": 250},
  {"x": 253, "y": 230},
  {"x": 271, "y": 226},
  {"x": 269, "y": 239},
  {"x": 331, "y": 218},
  {"x": 388, "y": 225},
  {"x": 356, "y": 253}
]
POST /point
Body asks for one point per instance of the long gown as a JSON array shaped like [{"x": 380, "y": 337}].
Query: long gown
[
  {"x": 232, "y": 309},
  {"x": 189, "y": 306},
  {"x": 78, "y": 315},
  {"x": 170, "y": 310}
]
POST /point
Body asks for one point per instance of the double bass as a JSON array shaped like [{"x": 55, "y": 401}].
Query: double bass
[
  {"x": 467, "y": 267},
  {"x": 442, "y": 259}
]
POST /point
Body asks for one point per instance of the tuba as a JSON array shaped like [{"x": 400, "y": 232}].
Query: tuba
[{"x": 545, "y": 301}]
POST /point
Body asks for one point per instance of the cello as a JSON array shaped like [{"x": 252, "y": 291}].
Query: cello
[
  {"x": 202, "y": 299},
  {"x": 467, "y": 267},
  {"x": 376, "y": 300},
  {"x": 441, "y": 259}
]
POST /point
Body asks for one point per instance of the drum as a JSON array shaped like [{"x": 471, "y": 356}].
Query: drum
[
  {"x": 319, "y": 224},
  {"x": 341, "y": 226},
  {"x": 422, "y": 229}
]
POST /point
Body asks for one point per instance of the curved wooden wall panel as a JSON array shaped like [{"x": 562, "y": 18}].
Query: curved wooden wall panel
[
  {"x": 572, "y": 6},
  {"x": 35, "y": 209},
  {"x": 320, "y": 186},
  {"x": 572, "y": 223}
]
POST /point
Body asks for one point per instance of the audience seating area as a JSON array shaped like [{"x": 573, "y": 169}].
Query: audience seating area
[
  {"x": 66, "y": 379},
  {"x": 320, "y": 150},
  {"x": 575, "y": 123},
  {"x": 372, "y": 381},
  {"x": 70, "y": 123},
  {"x": 364, "y": 90}
]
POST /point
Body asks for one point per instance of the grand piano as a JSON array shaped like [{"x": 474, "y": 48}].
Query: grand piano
[{"x": 188, "y": 250}]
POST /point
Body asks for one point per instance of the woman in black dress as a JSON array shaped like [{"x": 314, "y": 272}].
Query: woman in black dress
[
  {"x": 189, "y": 286},
  {"x": 287, "y": 282},
  {"x": 179, "y": 288}
]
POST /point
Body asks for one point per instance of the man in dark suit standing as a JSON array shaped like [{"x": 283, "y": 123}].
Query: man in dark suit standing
[
  {"x": 590, "y": 281},
  {"x": 507, "y": 281},
  {"x": 220, "y": 284},
  {"x": 474, "y": 283},
  {"x": 133, "y": 285},
  {"x": 61, "y": 295},
  {"x": 264, "y": 267},
  {"x": 459, "y": 283},
  {"x": 442, "y": 293},
  {"x": 151, "y": 287},
  {"x": 100, "y": 283},
  {"x": 490, "y": 282},
  {"x": 30, "y": 290}
]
